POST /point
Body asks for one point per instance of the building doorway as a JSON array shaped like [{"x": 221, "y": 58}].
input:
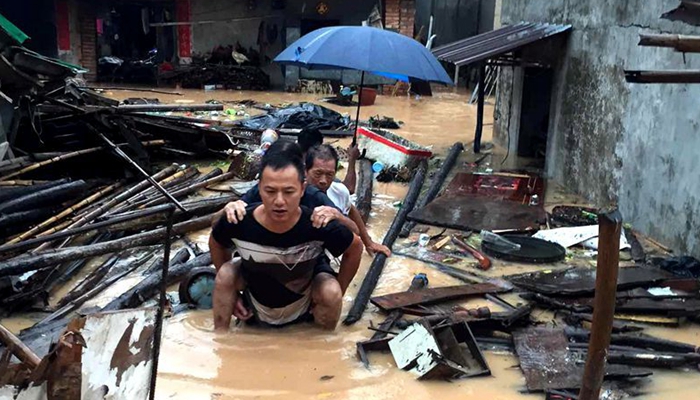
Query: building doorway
[{"x": 534, "y": 112}]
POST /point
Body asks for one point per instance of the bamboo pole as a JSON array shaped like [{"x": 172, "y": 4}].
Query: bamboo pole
[
  {"x": 70, "y": 155},
  {"x": 105, "y": 207},
  {"x": 22, "y": 183},
  {"x": 186, "y": 173},
  {"x": 192, "y": 189},
  {"x": 19, "y": 349},
  {"x": 89, "y": 200},
  {"x": 610, "y": 228},
  {"x": 16, "y": 247},
  {"x": 44, "y": 197},
  {"x": 22, "y": 264}
]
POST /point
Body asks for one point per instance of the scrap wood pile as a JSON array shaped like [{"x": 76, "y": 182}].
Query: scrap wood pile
[{"x": 200, "y": 75}]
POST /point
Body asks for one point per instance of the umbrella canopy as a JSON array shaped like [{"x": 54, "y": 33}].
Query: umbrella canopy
[{"x": 367, "y": 49}]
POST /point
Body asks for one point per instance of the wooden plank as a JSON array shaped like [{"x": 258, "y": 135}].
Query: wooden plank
[{"x": 435, "y": 295}]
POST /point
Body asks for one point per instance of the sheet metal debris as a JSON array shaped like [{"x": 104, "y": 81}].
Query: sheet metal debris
[
  {"x": 103, "y": 354},
  {"x": 581, "y": 281},
  {"x": 496, "y": 42},
  {"x": 547, "y": 363}
]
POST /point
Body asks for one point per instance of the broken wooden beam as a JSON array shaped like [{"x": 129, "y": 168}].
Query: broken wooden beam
[
  {"x": 436, "y": 183},
  {"x": 363, "y": 200},
  {"x": 670, "y": 76},
  {"x": 610, "y": 228},
  {"x": 434, "y": 295},
  {"x": 18, "y": 348},
  {"x": 681, "y": 43},
  {"x": 20, "y": 265},
  {"x": 377, "y": 266}
]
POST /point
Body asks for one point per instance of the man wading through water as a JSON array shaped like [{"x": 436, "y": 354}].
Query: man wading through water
[{"x": 283, "y": 274}]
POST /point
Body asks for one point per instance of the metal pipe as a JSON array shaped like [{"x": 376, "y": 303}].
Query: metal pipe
[
  {"x": 480, "y": 109},
  {"x": 359, "y": 105},
  {"x": 161, "y": 306}
]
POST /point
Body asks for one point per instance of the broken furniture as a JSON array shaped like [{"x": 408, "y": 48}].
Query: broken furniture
[{"x": 441, "y": 352}]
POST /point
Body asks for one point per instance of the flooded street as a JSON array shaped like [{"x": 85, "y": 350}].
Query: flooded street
[{"x": 303, "y": 362}]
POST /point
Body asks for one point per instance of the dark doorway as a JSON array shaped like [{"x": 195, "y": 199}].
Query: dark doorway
[
  {"x": 310, "y": 25},
  {"x": 534, "y": 112},
  {"x": 134, "y": 37}
]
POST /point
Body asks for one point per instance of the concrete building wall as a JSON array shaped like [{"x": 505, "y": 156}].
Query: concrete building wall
[{"x": 613, "y": 142}]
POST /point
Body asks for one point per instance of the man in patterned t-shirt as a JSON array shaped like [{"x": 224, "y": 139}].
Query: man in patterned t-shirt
[{"x": 280, "y": 275}]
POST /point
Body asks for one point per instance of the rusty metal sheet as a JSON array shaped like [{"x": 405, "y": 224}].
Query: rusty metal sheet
[
  {"x": 581, "y": 281},
  {"x": 434, "y": 295},
  {"x": 476, "y": 212},
  {"x": 118, "y": 354},
  {"x": 547, "y": 363}
]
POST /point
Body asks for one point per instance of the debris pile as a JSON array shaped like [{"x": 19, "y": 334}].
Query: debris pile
[
  {"x": 434, "y": 332},
  {"x": 233, "y": 77}
]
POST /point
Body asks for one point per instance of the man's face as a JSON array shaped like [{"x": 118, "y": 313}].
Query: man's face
[
  {"x": 321, "y": 174},
  {"x": 281, "y": 192}
]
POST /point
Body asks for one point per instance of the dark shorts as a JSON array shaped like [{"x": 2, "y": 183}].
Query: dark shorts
[{"x": 323, "y": 266}]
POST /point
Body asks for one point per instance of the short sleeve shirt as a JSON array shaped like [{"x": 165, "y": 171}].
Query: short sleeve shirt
[{"x": 279, "y": 267}]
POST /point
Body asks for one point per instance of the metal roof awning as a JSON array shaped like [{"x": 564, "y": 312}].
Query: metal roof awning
[{"x": 496, "y": 42}]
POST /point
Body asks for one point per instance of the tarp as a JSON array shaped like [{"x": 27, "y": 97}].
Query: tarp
[{"x": 298, "y": 116}]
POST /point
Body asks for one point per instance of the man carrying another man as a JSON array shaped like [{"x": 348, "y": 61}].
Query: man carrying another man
[{"x": 283, "y": 274}]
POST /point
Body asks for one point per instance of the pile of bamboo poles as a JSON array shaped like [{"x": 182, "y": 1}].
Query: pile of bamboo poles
[{"x": 82, "y": 223}]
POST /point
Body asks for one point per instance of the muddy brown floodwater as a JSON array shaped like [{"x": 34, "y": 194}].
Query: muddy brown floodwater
[{"x": 303, "y": 362}]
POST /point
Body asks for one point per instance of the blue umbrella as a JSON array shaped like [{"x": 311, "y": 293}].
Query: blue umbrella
[{"x": 365, "y": 49}]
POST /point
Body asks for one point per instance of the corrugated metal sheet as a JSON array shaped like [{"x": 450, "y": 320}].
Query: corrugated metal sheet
[{"x": 496, "y": 42}]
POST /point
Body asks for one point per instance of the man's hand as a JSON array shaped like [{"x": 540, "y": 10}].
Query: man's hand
[
  {"x": 353, "y": 152},
  {"x": 374, "y": 247},
  {"x": 323, "y": 215},
  {"x": 240, "y": 311},
  {"x": 235, "y": 211}
]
